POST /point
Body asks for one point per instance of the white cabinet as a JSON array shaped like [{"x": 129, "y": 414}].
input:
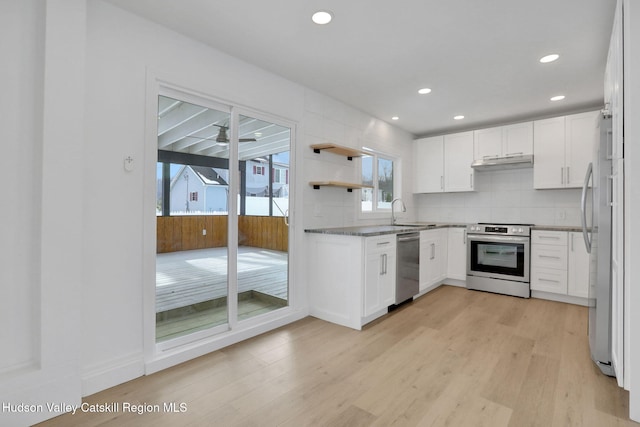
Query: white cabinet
[
  {"x": 559, "y": 263},
  {"x": 443, "y": 163},
  {"x": 458, "y": 156},
  {"x": 578, "y": 267},
  {"x": 502, "y": 141},
  {"x": 351, "y": 278},
  {"x": 563, "y": 148},
  {"x": 428, "y": 165},
  {"x": 433, "y": 257},
  {"x": 457, "y": 253},
  {"x": 379, "y": 274}
]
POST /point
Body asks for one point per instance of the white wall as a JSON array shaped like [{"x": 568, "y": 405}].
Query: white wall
[
  {"x": 21, "y": 77},
  {"x": 503, "y": 196},
  {"x": 42, "y": 79},
  {"x": 326, "y": 120},
  {"x": 123, "y": 52}
]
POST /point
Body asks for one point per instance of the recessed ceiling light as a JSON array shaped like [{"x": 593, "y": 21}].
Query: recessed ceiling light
[
  {"x": 395, "y": 118},
  {"x": 424, "y": 91},
  {"x": 549, "y": 58},
  {"x": 458, "y": 117},
  {"x": 557, "y": 98},
  {"x": 322, "y": 17},
  {"x": 257, "y": 134}
]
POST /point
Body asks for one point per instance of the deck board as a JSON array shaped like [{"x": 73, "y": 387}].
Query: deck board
[{"x": 190, "y": 277}]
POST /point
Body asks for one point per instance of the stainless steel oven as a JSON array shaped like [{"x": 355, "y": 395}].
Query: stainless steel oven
[{"x": 498, "y": 258}]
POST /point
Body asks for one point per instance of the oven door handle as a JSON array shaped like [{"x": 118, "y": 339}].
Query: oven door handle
[{"x": 494, "y": 238}]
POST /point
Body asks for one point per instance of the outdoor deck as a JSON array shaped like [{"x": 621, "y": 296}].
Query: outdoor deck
[{"x": 191, "y": 277}]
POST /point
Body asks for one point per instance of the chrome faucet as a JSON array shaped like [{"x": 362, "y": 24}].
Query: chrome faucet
[{"x": 393, "y": 216}]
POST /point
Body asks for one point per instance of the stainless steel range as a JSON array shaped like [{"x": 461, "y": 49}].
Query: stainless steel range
[{"x": 498, "y": 258}]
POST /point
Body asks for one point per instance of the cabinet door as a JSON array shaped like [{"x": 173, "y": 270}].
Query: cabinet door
[
  {"x": 578, "y": 271},
  {"x": 582, "y": 134},
  {"x": 487, "y": 143},
  {"x": 380, "y": 274},
  {"x": 457, "y": 253},
  {"x": 433, "y": 258},
  {"x": 549, "y": 256},
  {"x": 441, "y": 254},
  {"x": 458, "y": 156},
  {"x": 428, "y": 165},
  {"x": 548, "y": 153},
  {"x": 517, "y": 139},
  {"x": 374, "y": 270},
  {"x": 549, "y": 280}
]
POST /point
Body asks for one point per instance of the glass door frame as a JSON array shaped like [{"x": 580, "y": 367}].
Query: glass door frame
[{"x": 152, "y": 349}]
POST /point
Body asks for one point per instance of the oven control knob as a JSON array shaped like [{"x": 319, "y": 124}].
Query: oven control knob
[{"x": 520, "y": 230}]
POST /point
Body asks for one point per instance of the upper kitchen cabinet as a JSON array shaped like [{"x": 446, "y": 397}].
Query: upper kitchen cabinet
[
  {"x": 503, "y": 141},
  {"x": 443, "y": 163},
  {"x": 428, "y": 165},
  {"x": 562, "y": 149},
  {"x": 458, "y": 156}
]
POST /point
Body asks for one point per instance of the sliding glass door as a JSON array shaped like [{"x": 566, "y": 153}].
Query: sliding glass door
[
  {"x": 263, "y": 209},
  {"x": 222, "y": 207}
]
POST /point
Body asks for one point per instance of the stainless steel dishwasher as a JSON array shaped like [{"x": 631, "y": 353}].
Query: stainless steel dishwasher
[{"x": 408, "y": 267}]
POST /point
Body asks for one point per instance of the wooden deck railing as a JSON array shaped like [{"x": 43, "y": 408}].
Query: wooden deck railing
[{"x": 182, "y": 233}]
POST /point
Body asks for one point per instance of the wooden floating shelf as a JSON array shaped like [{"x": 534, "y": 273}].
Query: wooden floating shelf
[
  {"x": 348, "y": 185},
  {"x": 350, "y": 153}
]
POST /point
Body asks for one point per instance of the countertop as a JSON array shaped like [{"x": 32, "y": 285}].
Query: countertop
[
  {"x": 557, "y": 227},
  {"x": 378, "y": 230}
]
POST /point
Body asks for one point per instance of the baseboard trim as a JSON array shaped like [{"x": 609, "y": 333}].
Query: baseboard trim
[
  {"x": 109, "y": 374},
  {"x": 569, "y": 299}
]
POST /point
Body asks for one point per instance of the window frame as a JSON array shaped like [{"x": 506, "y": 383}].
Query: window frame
[{"x": 377, "y": 212}]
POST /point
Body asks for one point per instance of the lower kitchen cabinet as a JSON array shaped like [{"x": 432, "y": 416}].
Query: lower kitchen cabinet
[
  {"x": 578, "y": 266},
  {"x": 379, "y": 274},
  {"x": 351, "y": 278},
  {"x": 559, "y": 266},
  {"x": 433, "y": 257},
  {"x": 457, "y": 253}
]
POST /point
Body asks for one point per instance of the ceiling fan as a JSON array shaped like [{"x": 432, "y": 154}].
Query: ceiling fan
[{"x": 222, "y": 137}]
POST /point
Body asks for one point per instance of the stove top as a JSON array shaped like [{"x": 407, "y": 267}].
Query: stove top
[{"x": 501, "y": 229}]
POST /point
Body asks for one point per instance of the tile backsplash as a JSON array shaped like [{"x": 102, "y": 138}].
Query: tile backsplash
[{"x": 502, "y": 196}]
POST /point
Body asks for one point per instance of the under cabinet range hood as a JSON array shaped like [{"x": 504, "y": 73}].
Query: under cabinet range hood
[{"x": 514, "y": 161}]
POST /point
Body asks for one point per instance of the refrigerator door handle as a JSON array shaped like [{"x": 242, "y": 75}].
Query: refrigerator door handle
[{"x": 583, "y": 207}]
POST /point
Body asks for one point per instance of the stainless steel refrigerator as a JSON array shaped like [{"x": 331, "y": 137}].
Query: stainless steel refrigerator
[{"x": 596, "y": 228}]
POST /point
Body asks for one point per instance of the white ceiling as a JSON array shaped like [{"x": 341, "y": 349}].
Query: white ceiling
[{"x": 480, "y": 58}]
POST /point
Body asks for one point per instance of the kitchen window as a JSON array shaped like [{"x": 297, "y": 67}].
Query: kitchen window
[{"x": 378, "y": 170}]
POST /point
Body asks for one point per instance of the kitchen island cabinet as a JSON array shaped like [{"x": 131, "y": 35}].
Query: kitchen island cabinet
[{"x": 351, "y": 278}]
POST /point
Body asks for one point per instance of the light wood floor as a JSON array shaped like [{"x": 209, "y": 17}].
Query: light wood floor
[{"x": 451, "y": 358}]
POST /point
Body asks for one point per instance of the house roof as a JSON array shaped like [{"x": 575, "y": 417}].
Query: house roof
[{"x": 209, "y": 176}]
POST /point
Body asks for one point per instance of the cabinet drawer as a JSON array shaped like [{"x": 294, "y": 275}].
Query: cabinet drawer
[
  {"x": 383, "y": 243},
  {"x": 549, "y": 280},
  {"x": 549, "y": 256},
  {"x": 549, "y": 237}
]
